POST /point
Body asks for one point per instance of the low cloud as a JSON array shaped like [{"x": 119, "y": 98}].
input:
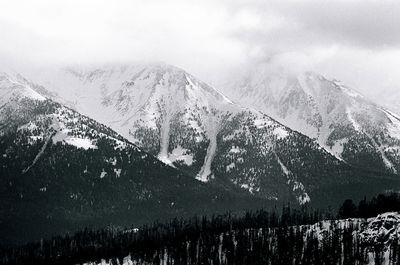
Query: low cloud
[{"x": 356, "y": 41}]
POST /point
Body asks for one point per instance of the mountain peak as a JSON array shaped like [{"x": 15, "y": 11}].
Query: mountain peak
[
  {"x": 15, "y": 87},
  {"x": 344, "y": 122},
  {"x": 190, "y": 125}
]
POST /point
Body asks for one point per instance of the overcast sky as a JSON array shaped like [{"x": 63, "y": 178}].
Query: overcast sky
[{"x": 355, "y": 41}]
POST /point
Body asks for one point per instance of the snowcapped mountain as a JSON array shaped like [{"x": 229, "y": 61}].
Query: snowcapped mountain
[
  {"x": 62, "y": 171},
  {"x": 345, "y": 123},
  {"x": 148, "y": 104},
  {"x": 191, "y": 126},
  {"x": 11, "y": 88}
]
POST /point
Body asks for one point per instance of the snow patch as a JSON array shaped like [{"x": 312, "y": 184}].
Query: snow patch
[
  {"x": 103, "y": 174},
  {"x": 83, "y": 143},
  {"x": 34, "y": 138},
  {"x": 353, "y": 122},
  {"x": 230, "y": 166},
  {"x": 337, "y": 148},
  {"x": 261, "y": 123},
  {"x": 117, "y": 172},
  {"x": 283, "y": 167},
  {"x": 297, "y": 187},
  {"x": 30, "y": 126},
  {"x": 379, "y": 148},
  {"x": 235, "y": 150},
  {"x": 205, "y": 172},
  {"x": 394, "y": 125},
  {"x": 37, "y": 156},
  {"x": 164, "y": 140},
  {"x": 62, "y": 134},
  {"x": 281, "y": 133},
  {"x": 250, "y": 187},
  {"x": 181, "y": 154}
]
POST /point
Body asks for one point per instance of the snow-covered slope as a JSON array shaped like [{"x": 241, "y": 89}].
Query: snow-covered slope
[
  {"x": 11, "y": 87},
  {"x": 160, "y": 107},
  {"x": 375, "y": 235},
  {"x": 61, "y": 171},
  {"x": 190, "y": 125},
  {"x": 391, "y": 100},
  {"x": 344, "y": 122}
]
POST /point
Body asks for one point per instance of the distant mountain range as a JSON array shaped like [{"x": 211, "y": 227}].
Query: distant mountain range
[
  {"x": 192, "y": 126},
  {"x": 343, "y": 122}
]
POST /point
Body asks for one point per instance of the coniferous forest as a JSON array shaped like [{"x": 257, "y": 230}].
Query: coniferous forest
[{"x": 284, "y": 236}]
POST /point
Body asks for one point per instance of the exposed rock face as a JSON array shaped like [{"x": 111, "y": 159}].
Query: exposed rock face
[{"x": 342, "y": 121}]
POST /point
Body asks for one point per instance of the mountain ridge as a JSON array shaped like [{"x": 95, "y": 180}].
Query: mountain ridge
[
  {"x": 192, "y": 126},
  {"x": 344, "y": 122},
  {"x": 62, "y": 171}
]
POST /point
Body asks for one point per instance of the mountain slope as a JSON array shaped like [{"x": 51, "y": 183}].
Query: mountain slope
[
  {"x": 391, "y": 100},
  {"x": 345, "y": 123},
  {"x": 191, "y": 126},
  {"x": 61, "y": 171}
]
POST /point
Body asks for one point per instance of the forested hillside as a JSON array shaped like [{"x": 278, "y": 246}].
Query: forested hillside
[
  {"x": 282, "y": 237},
  {"x": 61, "y": 171}
]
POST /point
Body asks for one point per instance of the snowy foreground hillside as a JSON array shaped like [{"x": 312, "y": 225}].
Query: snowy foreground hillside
[
  {"x": 347, "y": 241},
  {"x": 363, "y": 234}
]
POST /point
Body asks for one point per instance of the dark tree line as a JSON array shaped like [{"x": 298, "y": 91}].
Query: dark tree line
[
  {"x": 370, "y": 208},
  {"x": 289, "y": 236}
]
